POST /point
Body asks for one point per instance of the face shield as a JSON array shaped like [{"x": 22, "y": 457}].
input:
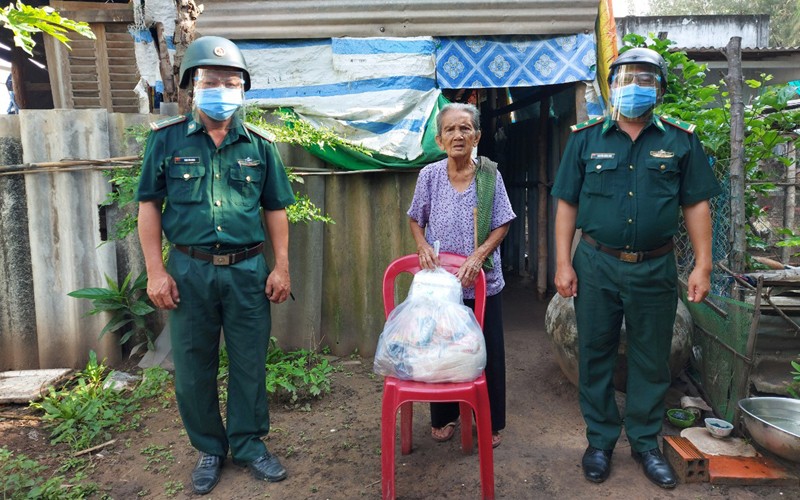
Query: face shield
[
  {"x": 635, "y": 91},
  {"x": 219, "y": 94}
]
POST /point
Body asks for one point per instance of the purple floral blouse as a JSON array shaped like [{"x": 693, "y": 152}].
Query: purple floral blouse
[{"x": 446, "y": 216}]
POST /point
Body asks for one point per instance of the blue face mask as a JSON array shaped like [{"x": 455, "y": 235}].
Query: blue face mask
[
  {"x": 632, "y": 100},
  {"x": 218, "y": 103}
]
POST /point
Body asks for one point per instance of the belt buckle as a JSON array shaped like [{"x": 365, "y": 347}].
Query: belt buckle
[
  {"x": 221, "y": 260},
  {"x": 630, "y": 257}
]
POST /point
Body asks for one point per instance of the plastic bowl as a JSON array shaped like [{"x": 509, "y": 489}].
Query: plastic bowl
[
  {"x": 774, "y": 424},
  {"x": 718, "y": 428},
  {"x": 680, "y": 418}
]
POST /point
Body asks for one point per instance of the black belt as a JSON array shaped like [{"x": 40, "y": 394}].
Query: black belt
[
  {"x": 221, "y": 259},
  {"x": 632, "y": 257}
]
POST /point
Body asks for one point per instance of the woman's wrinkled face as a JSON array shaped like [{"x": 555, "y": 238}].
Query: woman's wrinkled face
[{"x": 458, "y": 137}]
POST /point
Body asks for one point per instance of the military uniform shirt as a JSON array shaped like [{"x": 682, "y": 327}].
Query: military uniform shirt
[
  {"x": 629, "y": 192},
  {"x": 213, "y": 195}
]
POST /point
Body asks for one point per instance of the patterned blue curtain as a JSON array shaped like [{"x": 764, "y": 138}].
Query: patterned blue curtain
[{"x": 514, "y": 61}]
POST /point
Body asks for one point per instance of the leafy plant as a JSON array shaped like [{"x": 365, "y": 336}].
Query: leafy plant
[
  {"x": 84, "y": 413},
  {"x": 172, "y": 488},
  {"x": 125, "y": 182},
  {"x": 23, "y": 478},
  {"x": 158, "y": 458},
  {"x": 769, "y": 123},
  {"x": 24, "y": 21},
  {"x": 127, "y": 302},
  {"x": 292, "y": 129},
  {"x": 297, "y": 375},
  {"x": 291, "y": 376},
  {"x": 794, "y": 386}
]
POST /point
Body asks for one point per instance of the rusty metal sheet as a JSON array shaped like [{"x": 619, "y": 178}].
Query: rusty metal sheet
[{"x": 293, "y": 19}]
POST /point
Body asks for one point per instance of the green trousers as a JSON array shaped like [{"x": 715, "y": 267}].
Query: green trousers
[
  {"x": 230, "y": 298},
  {"x": 646, "y": 294}
]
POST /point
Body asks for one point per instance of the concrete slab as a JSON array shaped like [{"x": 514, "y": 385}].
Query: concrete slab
[
  {"x": 711, "y": 446},
  {"x": 22, "y": 386}
]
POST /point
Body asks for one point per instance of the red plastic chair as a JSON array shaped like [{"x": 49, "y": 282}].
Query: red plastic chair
[{"x": 402, "y": 393}]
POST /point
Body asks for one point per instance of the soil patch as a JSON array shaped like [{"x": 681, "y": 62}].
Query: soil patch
[{"x": 331, "y": 448}]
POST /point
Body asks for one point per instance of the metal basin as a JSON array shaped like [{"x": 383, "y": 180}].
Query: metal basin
[{"x": 774, "y": 423}]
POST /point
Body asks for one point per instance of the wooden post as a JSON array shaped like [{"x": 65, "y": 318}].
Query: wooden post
[
  {"x": 18, "y": 61},
  {"x": 734, "y": 79},
  {"x": 103, "y": 78},
  {"x": 789, "y": 203},
  {"x": 185, "y": 33},
  {"x": 165, "y": 67},
  {"x": 541, "y": 214}
]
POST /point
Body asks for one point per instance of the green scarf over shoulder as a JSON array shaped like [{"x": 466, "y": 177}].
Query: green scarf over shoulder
[{"x": 485, "y": 180}]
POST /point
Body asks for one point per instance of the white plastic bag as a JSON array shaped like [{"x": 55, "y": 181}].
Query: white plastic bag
[{"x": 432, "y": 336}]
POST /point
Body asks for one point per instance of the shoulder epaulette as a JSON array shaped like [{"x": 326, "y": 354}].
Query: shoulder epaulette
[
  {"x": 685, "y": 126},
  {"x": 264, "y": 134},
  {"x": 587, "y": 123},
  {"x": 166, "y": 122}
]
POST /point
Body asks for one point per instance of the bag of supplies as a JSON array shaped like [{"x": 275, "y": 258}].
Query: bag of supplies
[{"x": 432, "y": 336}]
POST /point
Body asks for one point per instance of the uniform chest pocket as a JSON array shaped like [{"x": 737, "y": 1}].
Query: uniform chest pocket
[
  {"x": 185, "y": 181},
  {"x": 663, "y": 176},
  {"x": 246, "y": 184},
  {"x": 599, "y": 177}
]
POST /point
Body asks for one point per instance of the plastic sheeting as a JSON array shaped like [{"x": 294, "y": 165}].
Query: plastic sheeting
[{"x": 376, "y": 92}]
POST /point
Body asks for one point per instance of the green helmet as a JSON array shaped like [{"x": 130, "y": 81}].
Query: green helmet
[
  {"x": 212, "y": 51},
  {"x": 640, "y": 55}
]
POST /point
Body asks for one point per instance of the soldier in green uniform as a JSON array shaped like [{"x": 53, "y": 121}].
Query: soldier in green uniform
[
  {"x": 219, "y": 176},
  {"x": 622, "y": 181}
]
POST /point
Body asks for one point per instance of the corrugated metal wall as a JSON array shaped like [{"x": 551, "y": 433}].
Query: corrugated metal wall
[
  {"x": 336, "y": 269},
  {"x": 51, "y": 243},
  {"x": 291, "y": 19}
]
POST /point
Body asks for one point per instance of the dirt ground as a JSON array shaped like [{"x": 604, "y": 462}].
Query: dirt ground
[{"x": 331, "y": 448}]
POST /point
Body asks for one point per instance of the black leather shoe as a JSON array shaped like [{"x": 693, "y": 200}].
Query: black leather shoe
[
  {"x": 596, "y": 464},
  {"x": 206, "y": 473},
  {"x": 267, "y": 467},
  {"x": 656, "y": 468}
]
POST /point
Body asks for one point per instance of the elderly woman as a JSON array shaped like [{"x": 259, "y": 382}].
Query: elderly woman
[{"x": 462, "y": 203}]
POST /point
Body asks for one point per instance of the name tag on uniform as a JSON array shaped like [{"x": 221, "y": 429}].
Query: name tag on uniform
[
  {"x": 603, "y": 156},
  {"x": 248, "y": 162},
  {"x": 186, "y": 160},
  {"x": 662, "y": 154}
]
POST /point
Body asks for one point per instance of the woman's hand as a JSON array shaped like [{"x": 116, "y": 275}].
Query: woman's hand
[
  {"x": 469, "y": 270},
  {"x": 427, "y": 257}
]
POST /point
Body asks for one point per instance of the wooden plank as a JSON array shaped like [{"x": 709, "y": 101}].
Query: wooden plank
[
  {"x": 59, "y": 73},
  {"x": 99, "y": 16},
  {"x": 82, "y": 52},
  {"x": 69, "y": 5},
  {"x": 84, "y": 79},
  {"x": 102, "y": 67},
  {"x": 118, "y": 28},
  {"x": 83, "y": 70},
  {"x": 87, "y": 85},
  {"x": 117, "y": 53}
]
